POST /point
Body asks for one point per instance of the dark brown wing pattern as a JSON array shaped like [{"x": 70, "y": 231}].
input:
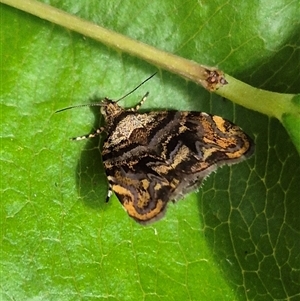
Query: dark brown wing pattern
[{"x": 153, "y": 158}]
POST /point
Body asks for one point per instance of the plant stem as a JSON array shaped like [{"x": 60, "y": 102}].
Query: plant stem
[
  {"x": 266, "y": 102},
  {"x": 186, "y": 68},
  {"x": 269, "y": 103}
]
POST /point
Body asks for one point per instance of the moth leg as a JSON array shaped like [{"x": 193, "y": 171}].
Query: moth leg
[
  {"x": 139, "y": 104},
  {"x": 91, "y": 135},
  {"x": 109, "y": 193}
]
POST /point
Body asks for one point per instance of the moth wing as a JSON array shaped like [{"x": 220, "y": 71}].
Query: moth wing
[
  {"x": 198, "y": 145},
  {"x": 178, "y": 157},
  {"x": 142, "y": 191},
  {"x": 202, "y": 143}
]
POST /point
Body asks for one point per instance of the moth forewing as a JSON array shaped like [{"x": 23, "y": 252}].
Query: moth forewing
[{"x": 156, "y": 157}]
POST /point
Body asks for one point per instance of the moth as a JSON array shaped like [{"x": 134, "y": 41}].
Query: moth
[{"x": 153, "y": 158}]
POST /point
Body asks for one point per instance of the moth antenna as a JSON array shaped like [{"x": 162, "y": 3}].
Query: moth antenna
[
  {"x": 136, "y": 87},
  {"x": 139, "y": 104},
  {"x": 96, "y": 104},
  {"x": 99, "y": 104}
]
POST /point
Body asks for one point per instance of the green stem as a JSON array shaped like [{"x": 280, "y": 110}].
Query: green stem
[
  {"x": 269, "y": 103},
  {"x": 186, "y": 68}
]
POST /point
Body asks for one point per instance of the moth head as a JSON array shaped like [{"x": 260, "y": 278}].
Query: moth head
[{"x": 110, "y": 108}]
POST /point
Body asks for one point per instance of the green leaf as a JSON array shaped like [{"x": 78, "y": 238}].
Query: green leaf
[
  {"x": 235, "y": 239},
  {"x": 291, "y": 122}
]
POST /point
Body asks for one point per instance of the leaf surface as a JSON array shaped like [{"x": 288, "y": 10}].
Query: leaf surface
[{"x": 237, "y": 238}]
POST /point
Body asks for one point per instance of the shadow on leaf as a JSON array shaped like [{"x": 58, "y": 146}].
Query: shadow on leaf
[{"x": 90, "y": 176}]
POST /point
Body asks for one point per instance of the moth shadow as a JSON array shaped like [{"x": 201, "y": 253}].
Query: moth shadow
[{"x": 91, "y": 180}]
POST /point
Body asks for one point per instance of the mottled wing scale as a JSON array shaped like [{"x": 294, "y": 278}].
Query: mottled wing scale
[{"x": 157, "y": 157}]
